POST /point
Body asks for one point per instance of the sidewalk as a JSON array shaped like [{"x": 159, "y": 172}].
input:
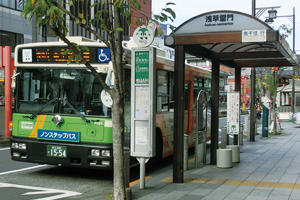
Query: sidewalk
[{"x": 269, "y": 169}]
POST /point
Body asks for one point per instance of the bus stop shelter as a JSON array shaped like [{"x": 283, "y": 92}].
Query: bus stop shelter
[{"x": 225, "y": 37}]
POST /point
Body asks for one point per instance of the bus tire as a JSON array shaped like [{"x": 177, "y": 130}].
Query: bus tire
[
  {"x": 159, "y": 146},
  {"x": 154, "y": 161}
]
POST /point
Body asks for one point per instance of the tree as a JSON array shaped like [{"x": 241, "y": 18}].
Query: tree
[
  {"x": 267, "y": 85},
  {"x": 110, "y": 19}
]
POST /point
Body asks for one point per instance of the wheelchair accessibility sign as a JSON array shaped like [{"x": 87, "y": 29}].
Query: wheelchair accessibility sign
[{"x": 103, "y": 55}]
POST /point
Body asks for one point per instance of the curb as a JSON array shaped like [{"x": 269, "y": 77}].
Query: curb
[{"x": 4, "y": 141}]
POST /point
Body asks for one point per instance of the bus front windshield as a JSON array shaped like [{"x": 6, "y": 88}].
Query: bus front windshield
[{"x": 63, "y": 91}]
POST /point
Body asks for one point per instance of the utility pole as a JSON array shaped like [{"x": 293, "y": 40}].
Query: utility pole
[
  {"x": 271, "y": 19},
  {"x": 293, "y": 78},
  {"x": 252, "y": 102}
]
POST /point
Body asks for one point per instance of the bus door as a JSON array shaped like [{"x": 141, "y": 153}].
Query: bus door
[{"x": 201, "y": 129}]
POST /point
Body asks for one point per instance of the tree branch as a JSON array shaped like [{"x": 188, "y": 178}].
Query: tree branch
[
  {"x": 85, "y": 26},
  {"x": 76, "y": 51}
]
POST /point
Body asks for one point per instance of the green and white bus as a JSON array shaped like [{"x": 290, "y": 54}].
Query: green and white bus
[{"x": 61, "y": 116}]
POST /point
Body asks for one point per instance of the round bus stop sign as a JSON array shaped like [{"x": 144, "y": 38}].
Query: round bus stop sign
[{"x": 143, "y": 36}]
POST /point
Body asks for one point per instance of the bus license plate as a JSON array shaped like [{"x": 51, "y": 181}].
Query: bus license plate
[{"x": 56, "y": 151}]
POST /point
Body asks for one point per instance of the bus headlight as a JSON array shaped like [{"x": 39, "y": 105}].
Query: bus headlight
[
  {"x": 95, "y": 152},
  {"x": 22, "y": 146},
  {"x": 15, "y": 145},
  {"x": 105, "y": 153}
]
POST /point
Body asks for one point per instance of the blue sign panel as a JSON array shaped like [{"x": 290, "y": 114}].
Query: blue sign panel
[
  {"x": 103, "y": 55},
  {"x": 58, "y": 135}
]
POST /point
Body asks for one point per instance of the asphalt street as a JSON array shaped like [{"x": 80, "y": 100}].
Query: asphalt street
[
  {"x": 26, "y": 181},
  {"x": 2, "y": 120}
]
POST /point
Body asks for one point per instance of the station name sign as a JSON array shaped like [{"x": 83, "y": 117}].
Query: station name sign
[
  {"x": 222, "y": 19},
  {"x": 59, "y": 54}
]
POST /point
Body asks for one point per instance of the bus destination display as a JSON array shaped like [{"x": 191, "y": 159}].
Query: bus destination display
[{"x": 61, "y": 55}]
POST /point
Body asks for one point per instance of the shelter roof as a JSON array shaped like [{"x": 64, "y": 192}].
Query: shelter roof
[{"x": 236, "y": 39}]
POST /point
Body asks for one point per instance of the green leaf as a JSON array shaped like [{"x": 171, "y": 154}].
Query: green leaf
[
  {"x": 119, "y": 29},
  {"x": 172, "y": 27},
  {"x": 39, "y": 21},
  {"x": 81, "y": 15},
  {"x": 71, "y": 3},
  {"x": 83, "y": 21},
  {"x": 171, "y": 19},
  {"x": 136, "y": 5},
  {"x": 170, "y": 3},
  {"x": 172, "y": 13},
  {"x": 117, "y": 3},
  {"x": 164, "y": 17},
  {"x": 138, "y": 22},
  {"x": 83, "y": 48},
  {"x": 77, "y": 21}
]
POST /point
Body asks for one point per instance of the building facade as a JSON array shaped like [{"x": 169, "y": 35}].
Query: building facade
[{"x": 14, "y": 29}]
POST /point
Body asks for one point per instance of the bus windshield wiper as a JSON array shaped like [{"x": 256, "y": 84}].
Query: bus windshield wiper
[
  {"x": 76, "y": 111},
  {"x": 33, "y": 115}
]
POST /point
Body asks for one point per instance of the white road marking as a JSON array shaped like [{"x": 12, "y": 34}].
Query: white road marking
[
  {"x": 41, "y": 190},
  {"x": 23, "y": 169},
  {"x": 2, "y": 149}
]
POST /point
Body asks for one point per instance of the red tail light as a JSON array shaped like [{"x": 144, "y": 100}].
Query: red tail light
[{"x": 10, "y": 125}]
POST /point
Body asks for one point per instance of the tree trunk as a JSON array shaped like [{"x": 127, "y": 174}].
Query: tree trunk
[{"x": 117, "y": 119}]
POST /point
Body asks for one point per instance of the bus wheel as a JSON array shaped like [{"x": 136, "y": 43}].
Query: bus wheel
[
  {"x": 154, "y": 161},
  {"x": 159, "y": 146}
]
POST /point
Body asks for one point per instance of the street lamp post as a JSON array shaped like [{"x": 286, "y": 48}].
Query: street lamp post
[
  {"x": 252, "y": 103},
  {"x": 270, "y": 19},
  {"x": 257, "y": 14},
  {"x": 293, "y": 78}
]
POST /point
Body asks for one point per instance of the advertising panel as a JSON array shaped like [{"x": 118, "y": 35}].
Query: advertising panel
[{"x": 233, "y": 112}]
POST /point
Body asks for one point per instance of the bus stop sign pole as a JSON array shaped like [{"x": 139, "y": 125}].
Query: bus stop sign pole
[{"x": 142, "y": 145}]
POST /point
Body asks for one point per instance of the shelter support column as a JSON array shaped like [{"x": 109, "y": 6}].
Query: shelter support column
[
  {"x": 179, "y": 76},
  {"x": 252, "y": 107},
  {"x": 237, "y": 88},
  {"x": 214, "y": 110}
]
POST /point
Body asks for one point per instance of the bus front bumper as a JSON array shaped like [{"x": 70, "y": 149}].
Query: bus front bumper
[{"x": 62, "y": 154}]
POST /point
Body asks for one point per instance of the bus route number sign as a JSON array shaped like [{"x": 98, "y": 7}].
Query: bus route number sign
[{"x": 142, "y": 67}]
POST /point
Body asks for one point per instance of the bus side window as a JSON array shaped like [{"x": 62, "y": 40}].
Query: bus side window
[
  {"x": 171, "y": 91},
  {"x": 162, "y": 91}
]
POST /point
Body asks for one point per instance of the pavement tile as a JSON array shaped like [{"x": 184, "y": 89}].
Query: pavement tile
[
  {"x": 269, "y": 170},
  {"x": 281, "y": 191},
  {"x": 239, "y": 193},
  {"x": 220, "y": 193},
  {"x": 295, "y": 195},
  {"x": 259, "y": 193},
  {"x": 191, "y": 197},
  {"x": 202, "y": 191},
  {"x": 290, "y": 178},
  {"x": 278, "y": 197}
]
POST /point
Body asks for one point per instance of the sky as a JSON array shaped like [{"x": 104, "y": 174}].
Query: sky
[{"x": 186, "y": 9}]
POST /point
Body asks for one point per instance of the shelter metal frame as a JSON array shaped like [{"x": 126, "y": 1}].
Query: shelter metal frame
[{"x": 223, "y": 43}]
